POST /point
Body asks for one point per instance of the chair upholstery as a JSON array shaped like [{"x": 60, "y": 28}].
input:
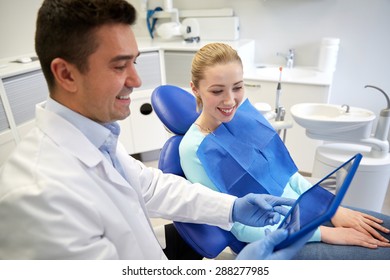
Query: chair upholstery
[{"x": 176, "y": 108}]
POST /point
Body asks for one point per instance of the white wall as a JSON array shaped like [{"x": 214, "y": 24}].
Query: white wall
[
  {"x": 276, "y": 25},
  {"x": 17, "y": 26}
]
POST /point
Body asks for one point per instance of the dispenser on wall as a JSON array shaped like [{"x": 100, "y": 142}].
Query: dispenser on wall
[{"x": 327, "y": 59}]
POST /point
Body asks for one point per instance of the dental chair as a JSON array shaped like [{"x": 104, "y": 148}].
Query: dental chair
[{"x": 176, "y": 108}]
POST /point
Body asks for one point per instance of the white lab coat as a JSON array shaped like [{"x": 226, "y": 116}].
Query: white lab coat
[{"x": 61, "y": 199}]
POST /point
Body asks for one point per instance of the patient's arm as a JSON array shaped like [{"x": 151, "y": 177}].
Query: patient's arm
[
  {"x": 349, "y": 236},
  {"x": 362, "y": 222}
]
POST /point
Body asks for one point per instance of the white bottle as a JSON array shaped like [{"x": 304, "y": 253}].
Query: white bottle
[
  {"x": 168, "y": 5},
  {"x": 327, "y": 59}
]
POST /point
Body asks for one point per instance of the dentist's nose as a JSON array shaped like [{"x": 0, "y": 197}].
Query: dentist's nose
[{"x": 133, "y": 79}]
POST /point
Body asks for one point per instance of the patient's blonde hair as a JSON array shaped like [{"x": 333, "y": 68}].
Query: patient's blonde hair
[{"x": 208, "y": 56}]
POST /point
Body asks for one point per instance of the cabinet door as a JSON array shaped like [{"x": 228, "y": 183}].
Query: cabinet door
[
  {"x": 148, "y": 132},
  {"x": 142, "y": 131},
  {"x": 7, "y": 141},
  {"x": 149, "y": 69},
  {"x": 24, "y": 91},
  {"x": 21, "y": 93},
  {"x": 178, "y": 67},
  {"x": 259, "y": 91}
]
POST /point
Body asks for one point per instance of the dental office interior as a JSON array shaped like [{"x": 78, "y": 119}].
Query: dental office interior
[{"x": 330, "y": 58}]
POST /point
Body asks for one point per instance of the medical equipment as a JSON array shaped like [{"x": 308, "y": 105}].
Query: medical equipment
[
  {"x": 188, "y": 29},
  {"x": 372, "y": 179}
]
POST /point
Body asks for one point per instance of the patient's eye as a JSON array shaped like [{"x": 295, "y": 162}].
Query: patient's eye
[{"x": 217, "y": 91}]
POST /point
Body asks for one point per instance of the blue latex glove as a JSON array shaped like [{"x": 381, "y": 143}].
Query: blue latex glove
[
  {"x": 264, "y": 249},
  {"x": 259, "y": 210}
]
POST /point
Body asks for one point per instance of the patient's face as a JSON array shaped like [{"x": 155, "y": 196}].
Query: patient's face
[{"x": 221, "y": 92}]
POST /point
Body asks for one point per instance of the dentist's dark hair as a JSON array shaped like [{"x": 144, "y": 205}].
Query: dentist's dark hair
[{"x": 66, "y": 29}]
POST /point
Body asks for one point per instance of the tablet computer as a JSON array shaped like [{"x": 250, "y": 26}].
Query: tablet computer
[{"x": 317, "y": 205}]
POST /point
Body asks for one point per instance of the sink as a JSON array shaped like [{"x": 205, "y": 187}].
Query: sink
[
  {"x": 333, "y": 122},
  {"x": 287, "y": 73}
]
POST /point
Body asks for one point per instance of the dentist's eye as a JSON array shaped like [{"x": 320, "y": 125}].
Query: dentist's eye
[{"x": 120, "y": 68}]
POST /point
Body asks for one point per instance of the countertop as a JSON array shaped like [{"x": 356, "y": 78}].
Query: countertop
[
  {"x": 296, "y": 75},
  {"x": 8, "y": 66},
  {"x": 147, "y": 44}
]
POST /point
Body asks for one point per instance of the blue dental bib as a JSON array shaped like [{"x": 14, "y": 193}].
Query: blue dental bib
[{"x": 246, "y": 155}]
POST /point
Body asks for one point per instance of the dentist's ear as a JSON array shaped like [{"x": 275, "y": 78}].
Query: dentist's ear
[{"x": 63, "y": 73}]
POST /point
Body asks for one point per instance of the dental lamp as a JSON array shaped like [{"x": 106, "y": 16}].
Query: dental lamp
[{"x": 189, "y": 29}]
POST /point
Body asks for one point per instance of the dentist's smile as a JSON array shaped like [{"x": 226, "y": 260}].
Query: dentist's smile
[{"x": 123, "y": 97}]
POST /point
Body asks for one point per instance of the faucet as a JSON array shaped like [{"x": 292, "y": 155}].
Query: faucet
[
  {"x": 378, "y": 142},
  {"x": 383, "y": 126},
  {"x": 289, "y": 58}
]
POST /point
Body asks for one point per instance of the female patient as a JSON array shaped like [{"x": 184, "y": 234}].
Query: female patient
[{"x": 217, "y": 82}]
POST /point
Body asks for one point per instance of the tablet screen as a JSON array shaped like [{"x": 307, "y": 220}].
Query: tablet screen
[
  {"x": 308, "y": 207},
  {"x": 314, "y": 207}
]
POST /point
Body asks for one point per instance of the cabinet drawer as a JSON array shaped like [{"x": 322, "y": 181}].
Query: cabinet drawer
[
  {"x": 4, "y": 125},
  {"x": 24, "y": 91}
]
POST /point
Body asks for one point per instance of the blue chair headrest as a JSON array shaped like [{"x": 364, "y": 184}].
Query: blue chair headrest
[
  {"x": 169, "y": 161},
  {"x": 175, "y": 107}
]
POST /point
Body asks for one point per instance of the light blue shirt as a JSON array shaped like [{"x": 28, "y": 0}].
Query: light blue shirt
[
  {"x": 101, "y": 136},
  {"x": 195, "y": 173}
]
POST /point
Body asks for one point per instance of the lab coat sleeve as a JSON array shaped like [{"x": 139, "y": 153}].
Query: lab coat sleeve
[
  {"x": 50, "y": 222},
  {"x": 173, "y": 197}
]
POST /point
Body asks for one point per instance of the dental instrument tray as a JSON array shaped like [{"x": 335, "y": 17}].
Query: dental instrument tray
[{"x": 317, "y": 205}]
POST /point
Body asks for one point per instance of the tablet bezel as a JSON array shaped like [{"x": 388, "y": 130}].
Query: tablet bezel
[{"x": 328, "y": 214}]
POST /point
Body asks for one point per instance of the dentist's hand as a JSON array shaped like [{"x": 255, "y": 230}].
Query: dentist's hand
[
  {"x": 259, "y": 210},
  {"x": 264, "y": 249}
]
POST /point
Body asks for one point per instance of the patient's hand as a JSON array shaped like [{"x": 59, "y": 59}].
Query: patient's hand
[
  {"x": 364, "y": 223},
  {"x": 350, "y": 236}
]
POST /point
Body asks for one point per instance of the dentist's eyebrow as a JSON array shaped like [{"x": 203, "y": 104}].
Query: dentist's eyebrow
[{"x": 125, "y": 57}]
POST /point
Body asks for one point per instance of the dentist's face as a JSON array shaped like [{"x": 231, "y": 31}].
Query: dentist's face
[
  {"x": 221, "y": 92},
  {"x": 104, "y": 90}
]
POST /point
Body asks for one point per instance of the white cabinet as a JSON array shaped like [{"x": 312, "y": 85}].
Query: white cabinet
[
  {"x": 20, "y": 91},
  {"x": 142, "y": 131},
  {"x": 178, "y": 67},
  {"x": 302, "y": 149},
  {"x": 178, "y": 60},
  {"x": 147, "y": 132}
]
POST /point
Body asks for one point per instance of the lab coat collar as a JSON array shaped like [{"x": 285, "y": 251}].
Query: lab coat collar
[{"x": 75, "y": 142}]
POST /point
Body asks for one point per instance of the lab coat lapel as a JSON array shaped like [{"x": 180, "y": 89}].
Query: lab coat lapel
[{"x": 71, "y": 139}]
